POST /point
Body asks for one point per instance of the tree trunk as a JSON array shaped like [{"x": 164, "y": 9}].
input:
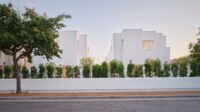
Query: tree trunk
[{"x": 16, "y": 74}]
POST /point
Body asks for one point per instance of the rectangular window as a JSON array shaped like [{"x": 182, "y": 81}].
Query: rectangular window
[{"x": 147, "y": 44}]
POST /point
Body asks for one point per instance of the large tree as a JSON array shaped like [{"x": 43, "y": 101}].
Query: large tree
[
  {"x": 25, "y": 34},
  {"x": 195, "y": 49}
]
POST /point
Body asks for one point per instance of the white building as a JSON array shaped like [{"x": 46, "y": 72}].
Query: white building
[
  {"x": 136, "y": 45},
  {"x": 74, "y": 47}
]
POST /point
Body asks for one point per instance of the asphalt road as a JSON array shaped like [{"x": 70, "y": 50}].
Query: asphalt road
[{"x": 118, "y": 104}]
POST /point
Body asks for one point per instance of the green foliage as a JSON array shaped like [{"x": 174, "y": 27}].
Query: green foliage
[
  {"x": 174, "y": 69},
  {"x": 8, "y": 71},
  {"x": 157, "y": 68},
  {"x": 96, "y": 71},
  {"x": 138, "y": 71},
  {"x": 120, "y": 69},
  {"x": 114, "y": 68},
  {"x": 195, "y": 55},
  {"x": 76, "y": 72},
  {"x": 166, "y": 71},
  {"x": 130, "y": 68},
  {"x": 198, "y": 70},
  {"x": 104, "y": 69},
  {"x": 148, "y": 67},
  {"x": 1, "y": 72},
  {"x": 41, "y": 71},
  {"x": 50, "y": 70},
  {"x": 33, "y": 72},
  {"x": 100, "y": 70},
  {"x": 25, "y": 72},
  {"x": 86, "y": 71},
  {"x": 87, "y": 61},
  {"x": 195, "y": 50},
  {"x": 183, "y": 69},
  {"x": 59, "y": 72},
  {"x": 69, "y": 71},
  {"x": 195, "y": 68}
]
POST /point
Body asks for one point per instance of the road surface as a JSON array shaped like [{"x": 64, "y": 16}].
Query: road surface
[{"x": 100, "y": 104}]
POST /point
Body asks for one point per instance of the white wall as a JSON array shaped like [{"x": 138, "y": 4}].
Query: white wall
[{"x": 102, "y": 84}]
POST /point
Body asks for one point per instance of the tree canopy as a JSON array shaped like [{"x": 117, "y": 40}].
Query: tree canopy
[
  {"x": 195, "y": 49},
  {"x": 25, "y": 34},
  {"x": 29, "y": 33}
]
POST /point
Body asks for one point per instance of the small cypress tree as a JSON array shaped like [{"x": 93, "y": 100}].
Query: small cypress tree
[
  {"x": 174, "y": 69},
  {"x": 148, "y": 67},
  {"x": 198, "y": 70},
  {"x": 1, "y": 72},
  {"x": 166, "y": 71},
  {"x": 25, "y": 72},
  {"x": 104, "y": 69},
  {"x": 194, "y": 68},
  {"x": 59, "y": 72},
  {"x": 157, "y": 68},
  {"x": 96, "y": 71},
  {"x": 33, "y": 72},
  {"x": 50, "y": 70},
  {"x": 183, "y": 69},
  {"x": 120, "y": 69},
  {"x": 76, "y": 72},
  {"x": 69, "y": 71},
  {"x": 113, "y": 68},
  {"x": 86, "y": 71},
  {"x": 130, "y": 68},
  {"x": 41, "y": 71},
  {"x": 138, "y": 71},
  {"x": 8, "y": 71}
]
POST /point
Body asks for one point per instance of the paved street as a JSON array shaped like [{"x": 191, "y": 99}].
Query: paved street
[{"x": 116, "y": 104}]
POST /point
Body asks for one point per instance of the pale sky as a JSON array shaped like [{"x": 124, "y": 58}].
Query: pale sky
[{"x": 99, "y": 19}]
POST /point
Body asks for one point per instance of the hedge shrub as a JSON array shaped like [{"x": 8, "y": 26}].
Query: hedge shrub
[
  {"x": 41, "y": 71},
  {"x": 33, "y": 72},
  {"x": 138, "y": 71},
  {"x": 50, "y": 70},
  {"x": 183, "y": 69},
  {"x": 174, "y": 70},
  {"x": 114, "y": 68},
  {"x": 104, "y": 69},
  {"x": 130, "y": 68},
  {"x": 148, "y": 67},
  {"x": 1, "y": 72},
  {"x": 58, "y": 72},
  {"x": 69, "y": 71},
  {"x": 166, "y": 70},
  {"x": 194, "y": 68},
  {"x": 86, "y": 71},
  {"x": 25, "y": 72},
  {"x": 157, "y": 68},
  {"x": 96, "y": 71},
  {"x": 76, "y": 72},
  {"x": 8, "y": 71}
]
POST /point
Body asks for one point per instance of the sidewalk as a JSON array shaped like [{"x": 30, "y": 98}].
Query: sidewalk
[{"x": 109, "y": 94}]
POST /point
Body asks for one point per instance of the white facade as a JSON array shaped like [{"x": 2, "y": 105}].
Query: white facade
[
  {"x": 74, "y": 47},
  {"x": 136, "y": 45}
]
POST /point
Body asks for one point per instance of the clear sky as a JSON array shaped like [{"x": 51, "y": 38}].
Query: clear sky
[{"x": 99, "y": 19}]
